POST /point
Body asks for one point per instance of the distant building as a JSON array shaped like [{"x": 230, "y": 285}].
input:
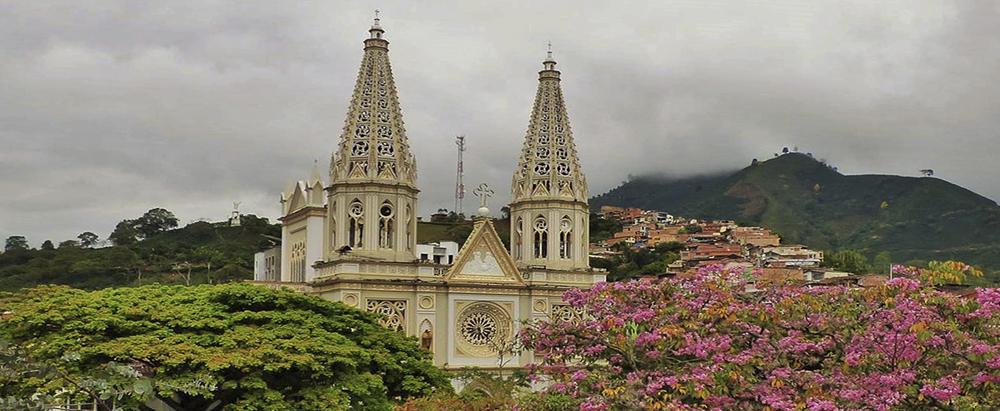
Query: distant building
[
  {"x": 266, "y": 265},
  {"x": 789, "y": 256},
  {"x": 438, "y": 253}
]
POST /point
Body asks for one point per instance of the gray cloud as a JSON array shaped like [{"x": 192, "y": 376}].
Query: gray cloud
[{"x": 107, "y": 110}]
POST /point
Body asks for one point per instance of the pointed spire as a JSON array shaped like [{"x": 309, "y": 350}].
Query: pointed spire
[
  {"x": 548, "y": 167},
  {"x": 373, "y": 145},
  {"x": 315, "y": 176},
  {"x": 549, "y": 63}
]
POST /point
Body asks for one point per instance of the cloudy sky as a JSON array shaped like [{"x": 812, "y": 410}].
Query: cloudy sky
[{"x": 110, "y": 108}]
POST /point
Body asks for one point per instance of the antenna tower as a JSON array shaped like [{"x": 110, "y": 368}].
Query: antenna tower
[{"x": 459, "y": 185}]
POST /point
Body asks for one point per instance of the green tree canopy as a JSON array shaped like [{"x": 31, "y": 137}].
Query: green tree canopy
[
  {"x": 15, "y": 242},
  {"x": 125, "y": 233},
  {"x": 850, "y": 261},
  {"x": 47, "y": 245},
  {"x": 248, "y": 347},
  {"x": 87, "y": 239},
  {"x": 155, "y": 221}
]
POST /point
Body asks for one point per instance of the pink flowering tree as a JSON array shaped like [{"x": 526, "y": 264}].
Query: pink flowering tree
[{"x": 718, "y": 340}]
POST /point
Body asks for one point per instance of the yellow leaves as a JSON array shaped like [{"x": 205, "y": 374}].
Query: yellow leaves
[
  {"x": 612, "y": 392},
  {"x": 918, "y": 327},
  {"x": 776, "y": 383},
  {"x": 889, "y": 300}
]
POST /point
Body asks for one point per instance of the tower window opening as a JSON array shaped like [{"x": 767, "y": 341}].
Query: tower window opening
[
  {"x": 518, "y": 233},
  {"x": 565, "y": 237},
  {"x": 541, "y": 238},
  {"x": 385, "y": 225},
  {"x": 356, "y": 225}
]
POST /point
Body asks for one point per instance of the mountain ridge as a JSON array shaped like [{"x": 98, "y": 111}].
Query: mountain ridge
[{"x": 804, "y": 200}]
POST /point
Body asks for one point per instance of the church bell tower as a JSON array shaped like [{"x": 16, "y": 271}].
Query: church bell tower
[
  {"x": 372, "y": 196},
  {"x": 549, "y": 211}
]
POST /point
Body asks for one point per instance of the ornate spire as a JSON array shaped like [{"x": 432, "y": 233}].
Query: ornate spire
[
  {"x": 548, "y": 167},
  {"x": 373, "y": 146}
]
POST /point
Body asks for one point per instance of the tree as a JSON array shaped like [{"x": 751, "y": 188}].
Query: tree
[
  {"x": 69, "y": 244},
  {"x": 704, "y": 342},
  {"x": 125, "y": 233},
  {"x": 87, "y": 239},
  {"x": 243, "y": 346},
  {"x": 16, "y": 242},
  {"x": 155, "y": 221},
  {"x": 848, "y": 260},
  {"x": 47, "y": 245},
  {"x": 882, "y": 262}
]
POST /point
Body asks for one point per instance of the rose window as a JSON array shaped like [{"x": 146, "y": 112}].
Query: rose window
[
  {"x": 383, "y": 116},
  {"x": 366, "y": 102},
  {"x": 364, "y": 116},
  {"x": 561, "y": 153},
  {"x": 360, "y": 148},
  {"x": 563, "y": 169},
  {"x": 367, "y": 90},
  {"x": 481, "y": 327},
  {"x": 560, "y": 140},
  {"x": 385, "y": 149},
  {"x": 542, "y": 169},
  {"x": 382, "y": 103}
]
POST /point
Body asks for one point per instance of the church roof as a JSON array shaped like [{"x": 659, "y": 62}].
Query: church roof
[
  {"x": 373, "y": 147},
  {"x": 548, "y": 167}
]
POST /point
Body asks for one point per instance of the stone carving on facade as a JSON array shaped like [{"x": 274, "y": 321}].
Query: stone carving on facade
[{"x": 393, "y": 313}]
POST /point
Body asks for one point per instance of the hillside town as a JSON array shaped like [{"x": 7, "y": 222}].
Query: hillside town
[{"x": 719, "y": 242}]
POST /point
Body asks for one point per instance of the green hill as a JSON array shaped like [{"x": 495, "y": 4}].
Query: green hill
[
  {"x": 807, "y": 202},
  {"x": 200, "y": 252}
]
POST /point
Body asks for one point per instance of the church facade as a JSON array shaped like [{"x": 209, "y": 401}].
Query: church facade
[{"x": 353, "y": 238}]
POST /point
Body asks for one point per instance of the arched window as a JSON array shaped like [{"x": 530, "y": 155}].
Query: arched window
[
  {"x": 385, "y": 225},
  {"x": 518, "y": 234},
  {"x": 565, "y": 237},
  {"x": 333, "y": 226},
  {"x": 409, "y": 229},
  {"x": 541, "y": 247},
  {"x": 356, "y": 225}
]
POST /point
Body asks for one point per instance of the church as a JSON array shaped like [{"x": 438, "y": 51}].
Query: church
[{"x": 353, "y": 238}]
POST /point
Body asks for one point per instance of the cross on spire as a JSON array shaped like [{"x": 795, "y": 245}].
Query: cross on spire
[{"x": 483, "y": 192}]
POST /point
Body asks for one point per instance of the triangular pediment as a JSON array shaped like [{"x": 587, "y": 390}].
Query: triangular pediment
[
  {"x": 298, "y": 198},
  {"x": 484, "y": 258}
]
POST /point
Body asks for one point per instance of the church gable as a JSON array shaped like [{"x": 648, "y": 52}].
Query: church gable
[{"x": 483, "y": 258}]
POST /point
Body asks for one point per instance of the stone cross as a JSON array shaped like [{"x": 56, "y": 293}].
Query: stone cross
[{"x": 483, "y": 192}]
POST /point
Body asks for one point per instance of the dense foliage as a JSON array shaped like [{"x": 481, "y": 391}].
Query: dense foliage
[
  {"x": 200, "y": 252},
  {"x": 633, "y": 262},
  {"x": 913, "y": 218},
  {"x": 720, "y": 340},
  {"x": 248, "y": 347}
]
